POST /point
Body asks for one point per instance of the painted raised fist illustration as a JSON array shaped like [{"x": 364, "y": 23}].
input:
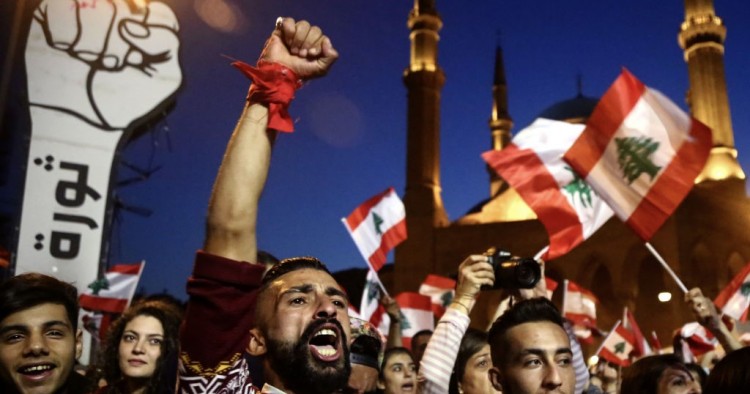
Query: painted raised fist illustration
[{"x": 107, "y": 62}]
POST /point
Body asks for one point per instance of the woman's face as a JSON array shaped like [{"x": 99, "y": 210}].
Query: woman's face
[
  {"x": 476, "y": 379},
  {"x": 140, "y": 347},
  {"x": 677, "y": 381},
  {"x": 399, "y": 375}
]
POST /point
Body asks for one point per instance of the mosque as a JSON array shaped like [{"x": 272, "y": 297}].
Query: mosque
[{"x": 705, "y": 241}]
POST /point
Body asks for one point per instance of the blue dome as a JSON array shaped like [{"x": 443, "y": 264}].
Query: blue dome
[{"x": 575, "y": 109}]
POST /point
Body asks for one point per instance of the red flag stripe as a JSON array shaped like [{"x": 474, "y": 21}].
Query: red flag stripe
[
  {"x": 360, "y": 213},
  {"x": 606, "y": 119},
  {"x": 128, "y": 269},
  {"x": 390, "y": 239},
  {"x": 673, "y": 184},
  {"x": 440, "y": 282},
  {"x": 541, "y": 192}
]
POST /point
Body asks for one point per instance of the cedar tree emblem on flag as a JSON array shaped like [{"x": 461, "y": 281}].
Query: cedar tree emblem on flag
[{"x": 641, "y": 153}]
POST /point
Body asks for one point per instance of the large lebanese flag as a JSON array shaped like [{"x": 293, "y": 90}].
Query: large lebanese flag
[
  {"x": 532, "y": 164},
  {"x": 641, "y": 153},
  {"x": 114, "y": 292},
  {"x": 377, "y": 226},
  {"x": 618, "y": 346},
  {"x": 735, "y": 298}
]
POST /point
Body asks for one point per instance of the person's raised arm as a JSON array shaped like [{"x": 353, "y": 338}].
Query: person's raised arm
[
  {"x": 233, "y": 208},
  {"x": 442, "y": 349},
  {"x": 705, "y": 313}
]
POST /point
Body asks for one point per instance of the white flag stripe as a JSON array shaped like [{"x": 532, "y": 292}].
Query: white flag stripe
[{"x": 391, "y": 210}]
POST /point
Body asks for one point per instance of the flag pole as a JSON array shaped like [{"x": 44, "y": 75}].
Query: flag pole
[
  {"x": 380, "y": 284},
  {"x": 666, "y": 267}
]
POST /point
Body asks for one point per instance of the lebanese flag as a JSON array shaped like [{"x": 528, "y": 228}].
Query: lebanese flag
[
  {"x": 416, "y": 315},
  {"x": 735, "y": 298},
  {"x": 371, "y": 295},
  {"x": 642, "y": 348},
  {"x": 641, "y": 153},
  {"x": 579, "y": 306},
  {"x": 698, "y": 339},
  {"x": 532, "y": 164},
  {"x": 618, "y": 345},
  {"x": 377, "y": 226},
  {"x": 114, "y": 292},
  {"x": 441, "y": 291}
]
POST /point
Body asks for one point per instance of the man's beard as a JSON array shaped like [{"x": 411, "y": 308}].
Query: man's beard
[{"x": 300, "y": 371}]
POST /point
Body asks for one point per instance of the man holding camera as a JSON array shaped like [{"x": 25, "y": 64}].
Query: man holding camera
[{"x": 524, "y": 278}]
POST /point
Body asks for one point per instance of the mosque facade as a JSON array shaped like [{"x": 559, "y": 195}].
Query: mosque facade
[{"x": 705, "y": 241}]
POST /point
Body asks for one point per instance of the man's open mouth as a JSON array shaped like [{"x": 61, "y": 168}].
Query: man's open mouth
[
  {"x": 325, "y": 343},
  {"x": 407, "y": 387}
]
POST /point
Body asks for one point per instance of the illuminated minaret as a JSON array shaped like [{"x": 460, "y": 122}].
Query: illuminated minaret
[
  {"x": 500, "y": 120},
  {"x": 424, "y": 206},
  {"x": 702, "y": 38}
]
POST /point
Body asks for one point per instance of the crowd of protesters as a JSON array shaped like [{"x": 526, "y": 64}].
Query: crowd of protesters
[{"x": 255, "y": 324}]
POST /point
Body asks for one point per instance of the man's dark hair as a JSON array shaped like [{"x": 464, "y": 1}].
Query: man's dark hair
[
  {"x": 267, "y": 259},
  {"x": 293, "y": 264},
  {"x": 643, "y": 376},
  {"x": 420, "y": 333},
  {"x": 32, "y": 289},
  {"x": 525, "y": 311},
  {"x": 731, "y": 374}
]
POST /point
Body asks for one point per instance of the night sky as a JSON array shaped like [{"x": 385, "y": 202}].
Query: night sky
[{"x": 350, "y": 134}]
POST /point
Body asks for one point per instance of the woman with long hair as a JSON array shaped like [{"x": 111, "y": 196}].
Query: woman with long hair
[{"x": 140, "y": 350}]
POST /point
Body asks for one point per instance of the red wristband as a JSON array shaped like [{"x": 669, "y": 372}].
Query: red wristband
[{"x": 273, "y": 85}]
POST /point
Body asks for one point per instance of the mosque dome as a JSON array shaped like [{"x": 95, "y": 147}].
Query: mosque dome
[{"x": 575, "y": 110}]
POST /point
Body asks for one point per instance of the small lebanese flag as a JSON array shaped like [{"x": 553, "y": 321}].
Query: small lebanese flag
[
  {"x": 416, "y": 315},
  {"x": 441, "y": 291},
  {"x": 698, "y": 339},
  {"x": 642, "y": 348},
  {"x": 113, "y": 292},
  {"x": 371, "y": 295},
  {"x": 377, "y": 226},
  {"x": 532, "y": 164},
  {"x": 735, "y": 298},
  {"x": 641, "y": 153},
  {"x": 618, "y": 345},
  {"x": 579, "y": 306}
]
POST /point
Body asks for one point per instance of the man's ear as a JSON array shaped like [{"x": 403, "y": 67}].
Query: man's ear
[
  {"x": 79, "y": 343},
  {"x": 257, "y": 344},
  {"x": 496, "y": 378},
  {"x": 381, "y": 384}
]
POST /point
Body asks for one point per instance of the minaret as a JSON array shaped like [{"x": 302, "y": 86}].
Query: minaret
[
  {"x": 424, "y": 206},
  {"x": 702, "y": 39},
  {"x": 500, "y": 121}
]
